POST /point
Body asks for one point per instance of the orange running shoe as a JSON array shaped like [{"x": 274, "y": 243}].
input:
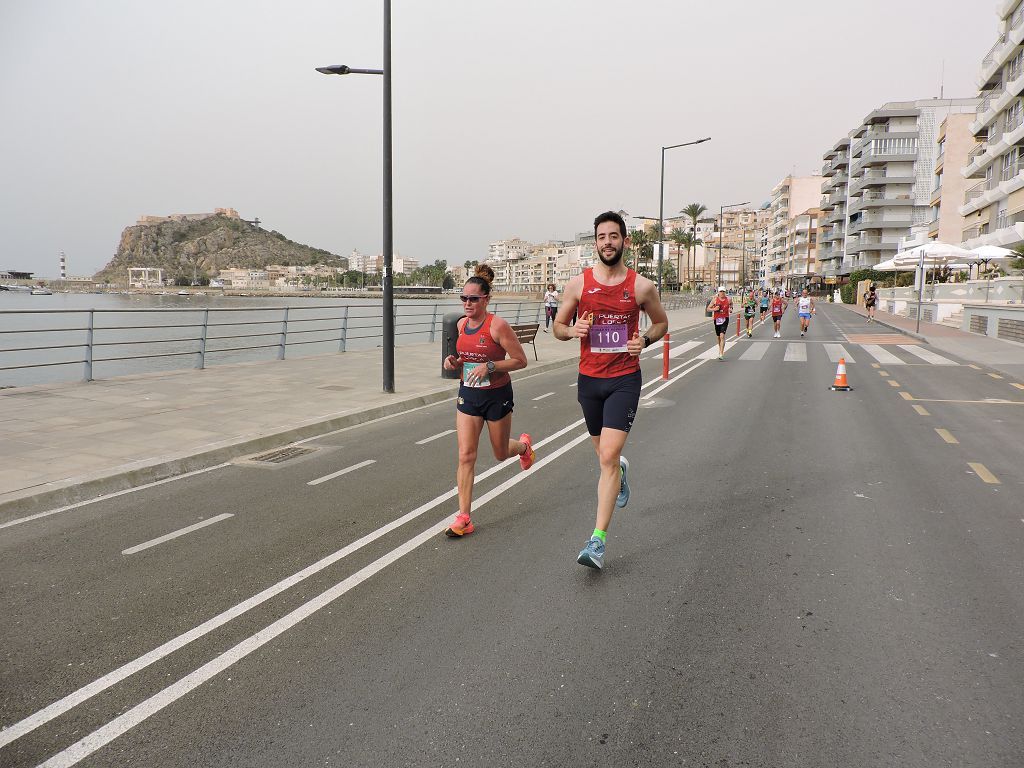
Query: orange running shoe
[
  {"x": 462, "y": 526},
  {"x": 526, "y": 459}
]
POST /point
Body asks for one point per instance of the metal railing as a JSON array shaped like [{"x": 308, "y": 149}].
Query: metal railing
[{"x": 136, "y": 340}]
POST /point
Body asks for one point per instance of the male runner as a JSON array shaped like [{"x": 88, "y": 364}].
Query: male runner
[
  {"x": 608, "y": 298},
  {"x": 765, "y": 299},
  {"x": 720, "y": 307},
  {"x": 749, "y": 305},
  {"x": 778, "y": 306},
  {"x": 870, "y": 300},
  {"x": 805, "y": 308}
]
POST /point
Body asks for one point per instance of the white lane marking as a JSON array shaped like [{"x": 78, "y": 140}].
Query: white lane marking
[
  {"x": 114, "y": 495},
  {"x": 672, "y": 380},
  {"x": 341, "y": 472},
  {"x": 836, "y": 351},
  {"x": 926, "y": 354},
  {"x": 795, "y": 353},
  {"x": 756, "y": 350},
  {"x": 439, "y": 435},
  {"x": 546, "y": 394},
  {"x": 683, "y": 348},
  {"x": 175, "y": 534},
  {"x": 137, "y": 714},
  {"x": 712, "y": 352},
  {"x": 883, "y": 356},
  {"x": 59, "y": 707}
]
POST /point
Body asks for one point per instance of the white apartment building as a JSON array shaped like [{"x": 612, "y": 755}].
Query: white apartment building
[
  {"x": 792, "y": 242},
  {"x": 993, "y": 204},
  {"x": 879, "y": 181},
  {"x": 512, "y": 248}
]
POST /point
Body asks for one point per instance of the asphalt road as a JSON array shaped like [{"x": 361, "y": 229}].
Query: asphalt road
[{"x": 802, "y": 578}]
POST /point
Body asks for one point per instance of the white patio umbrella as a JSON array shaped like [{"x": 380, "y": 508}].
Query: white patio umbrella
[
  {"x": 984, "y": 254},
  {"x": 931, "y": 254}
]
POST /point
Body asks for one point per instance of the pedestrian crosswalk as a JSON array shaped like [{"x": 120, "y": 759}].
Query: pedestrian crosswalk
[{"x": 802, "y": 351}]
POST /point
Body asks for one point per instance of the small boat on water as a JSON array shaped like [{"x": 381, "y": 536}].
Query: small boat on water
[
  {"x": 15, "y": 288},
  {"x": 40, "y": 291},
  {"x": 184, "y": 293}
]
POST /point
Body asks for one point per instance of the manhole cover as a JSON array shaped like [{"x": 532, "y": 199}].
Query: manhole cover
[{"x": 282, "y": 455}]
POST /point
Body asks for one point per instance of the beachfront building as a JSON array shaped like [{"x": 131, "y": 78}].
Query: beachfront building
[
  {"x": 792, "y": 239},
  {"x": 878, "y": 182},
  {"x": 993, "y": 204},
  {"x": 954, "y": 144}
]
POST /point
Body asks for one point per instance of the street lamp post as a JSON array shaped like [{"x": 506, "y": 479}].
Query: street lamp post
[
  {"x": 721, "y": 234},
  {"x": 388, "y": 309},
  {"x": 661, "y": 204}
]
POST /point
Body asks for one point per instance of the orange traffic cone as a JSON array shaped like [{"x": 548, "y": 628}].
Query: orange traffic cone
[{"x": 840, "y": 385}]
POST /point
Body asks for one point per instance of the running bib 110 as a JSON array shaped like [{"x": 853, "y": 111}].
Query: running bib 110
[{"x": 609, "y": 338}]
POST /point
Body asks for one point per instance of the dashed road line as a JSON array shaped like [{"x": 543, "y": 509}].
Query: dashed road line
[
  {"x": 893, "y": 383},
  {"x": 344, "y": 471},
  {"x": 995, "y": 376},
  {"x": 1015, "y": 384},
  {"x": 920, "y": 410},
  {"x": 175, "y": 534},
  {"x": 906, "y": 396},
  {"x": 982, "y": 471},
  {"x": 946, "y": 435},
  {"x": 439, "y": 435},
  {"x": 883, "y": 373},
  {"x": 541, "y": 397}
]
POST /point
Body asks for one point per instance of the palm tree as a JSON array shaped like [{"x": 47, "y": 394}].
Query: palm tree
[
  {"x": 689, "y": 242},
  {"x": 694, "y": 210},
  {"x": 680, "y": 237},
  {"x": 641, "y": 247}
]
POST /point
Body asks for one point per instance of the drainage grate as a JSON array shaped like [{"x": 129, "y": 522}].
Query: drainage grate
[{"x": 282, "y": 455}]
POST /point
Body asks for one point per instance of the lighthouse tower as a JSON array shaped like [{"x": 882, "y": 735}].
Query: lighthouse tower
[{"x": 63, "y": 266}]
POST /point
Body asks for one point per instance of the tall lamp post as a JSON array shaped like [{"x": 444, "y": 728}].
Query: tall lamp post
[
  {"x": 388, "y": 291},
  {"x": 721, "y": 234},
  {"x": 661, "y": 204}
]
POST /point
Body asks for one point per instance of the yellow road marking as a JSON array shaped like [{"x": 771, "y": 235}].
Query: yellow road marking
[
  {"x": 906, "y": 396},
  {"x": 883, "y": 373},
  {"x": 876, "y": 365},
  {"x": 920, "y": 409},
  {"x": 982, "y": 471},
  {"x": 972, "y": 365},
  {"x": 893, "y": 383},
  {"x": 995, "y": 376},
  {"x": 990, "y": 401},
  {"x": 945, "y": 435},
  {"x": 1018, "y": 386}
]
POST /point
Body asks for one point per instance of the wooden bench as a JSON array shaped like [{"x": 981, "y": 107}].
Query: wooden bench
[{"x": 527, "y": 334}]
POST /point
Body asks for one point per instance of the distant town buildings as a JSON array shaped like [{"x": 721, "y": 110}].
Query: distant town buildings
[{"x": 148, "y": 220}]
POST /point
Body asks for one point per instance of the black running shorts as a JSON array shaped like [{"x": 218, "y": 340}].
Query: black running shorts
[
  {"x": 721, "y": 328},
  {"x": 609, "y": 402},
  {"x": 490, "y": 404}
]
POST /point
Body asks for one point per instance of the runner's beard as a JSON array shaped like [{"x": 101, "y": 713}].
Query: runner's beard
[{"x": 615, "y": 259}]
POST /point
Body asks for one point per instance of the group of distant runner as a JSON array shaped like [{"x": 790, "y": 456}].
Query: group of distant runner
[
  {"x": 600, "y": 309},
  {"x": 774, "y": 302}
]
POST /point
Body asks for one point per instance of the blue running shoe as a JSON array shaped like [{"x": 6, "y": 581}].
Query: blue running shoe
[
  {"x": 623, "y": 498},
  {"x": 592, "y": 555}
]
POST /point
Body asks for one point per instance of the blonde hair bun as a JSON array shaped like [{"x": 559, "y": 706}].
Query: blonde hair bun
[{"x": 485, "y": 273}]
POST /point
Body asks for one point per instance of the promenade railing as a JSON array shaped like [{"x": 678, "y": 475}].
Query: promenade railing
[{"x": 45, "y": 345}]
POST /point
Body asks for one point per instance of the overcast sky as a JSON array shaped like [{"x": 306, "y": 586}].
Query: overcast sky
[{"x": 510, "y": 118}]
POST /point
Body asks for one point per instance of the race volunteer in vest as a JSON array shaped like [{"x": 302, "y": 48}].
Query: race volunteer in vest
[
  {"x": 720, "y": 307},
  {"x": 804, "y": 308},
  {"x": 607, "y": 300},
  {"x": 778, "y": 306},
  {"x": 487, "y": 351}
]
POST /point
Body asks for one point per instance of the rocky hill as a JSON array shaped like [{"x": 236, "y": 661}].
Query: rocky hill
[{"x": 208, "y": 245}]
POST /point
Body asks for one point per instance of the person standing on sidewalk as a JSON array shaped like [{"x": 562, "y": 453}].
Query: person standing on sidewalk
[
  {"x": 721, "y": 307},
  {"x": 609, "y": 298},
  {"x": 487, "y": 351},
  {"x": 550, "y": 305},
  {"x": 870, "y": 300},
  {"x": 805, "y": 308}
]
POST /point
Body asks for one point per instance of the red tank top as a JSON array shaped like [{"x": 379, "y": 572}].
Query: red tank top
[
  {"x": 776, "y": 306},
  {"x": 476, "y": 345},
  {"x": 616, "y": 319}
]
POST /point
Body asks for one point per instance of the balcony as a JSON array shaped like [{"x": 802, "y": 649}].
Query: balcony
[
  {"x": 879, "y": 200},
  {"x": 974, "y": 192},
  {"x": 892, "y": 221},
  {"x": 936, "y": 195},
  {"x": 857, "y": 245}
]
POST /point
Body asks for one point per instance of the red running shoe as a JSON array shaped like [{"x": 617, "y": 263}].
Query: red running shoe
[
  {"x": 526, "y": 459},
  {"x": 462, "y": 526}
]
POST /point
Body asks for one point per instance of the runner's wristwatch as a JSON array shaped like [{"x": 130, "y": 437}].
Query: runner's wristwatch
[
  {"x": 490, "y": 366},
  {"x": 647, "y": 340}
]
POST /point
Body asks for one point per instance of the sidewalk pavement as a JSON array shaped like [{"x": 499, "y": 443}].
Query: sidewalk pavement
[
  {"x": 65, "y": 443},
  {"x": 998, "y": 354}
]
